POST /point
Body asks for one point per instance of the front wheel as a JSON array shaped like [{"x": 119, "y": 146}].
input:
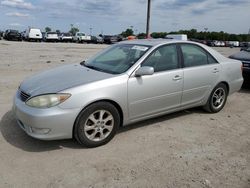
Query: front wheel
[
  {"x": 217, "y": 99},
  {"x": 97, "y": 124}
]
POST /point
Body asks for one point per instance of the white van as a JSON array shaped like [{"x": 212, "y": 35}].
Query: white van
[
  {"x": 177, "y": 36},
  {"x": 33, "y": 34}
]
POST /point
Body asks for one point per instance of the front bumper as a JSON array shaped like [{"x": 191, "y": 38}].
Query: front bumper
[{"x": 45, "y": 124}]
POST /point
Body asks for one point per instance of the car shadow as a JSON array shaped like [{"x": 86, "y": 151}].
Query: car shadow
[
  {"x": 160, "y": 119},
  {"x": 15, "y": 136},
  {"x": 245, "y": 87}
]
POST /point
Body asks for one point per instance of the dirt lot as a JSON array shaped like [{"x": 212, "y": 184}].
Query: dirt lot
[{"x": 185, "y": 149}]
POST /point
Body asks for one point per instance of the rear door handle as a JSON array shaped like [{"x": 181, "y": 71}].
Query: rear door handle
[
  {"x": 177, "y": 77},
  {"x": 215, "y": 70}
]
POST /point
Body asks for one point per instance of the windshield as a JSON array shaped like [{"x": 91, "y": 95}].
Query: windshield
[{"x": 117, "y": 59}]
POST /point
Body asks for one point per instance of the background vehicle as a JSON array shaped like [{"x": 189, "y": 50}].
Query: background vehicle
[
  {"x": 122, "y": 85},
  {"x": 177, "y": 36},
  {"x": 244, "y": 57},
  {"x": 51, "y": 37},
  {"x": 111, "y": 39},
  {"x": 219, "y": 43},
  {"x": 99, "y": 40},
  {"x": 234, "y": 43},
  {"x": 12, "y": 35},
  {"x": 1, "y": 35},
  {"x": 81, "y": 37},
  {"x": 244, "y": 45},
  {"x": 66, "y": 37},
  {"x": 32, "y": 34}
]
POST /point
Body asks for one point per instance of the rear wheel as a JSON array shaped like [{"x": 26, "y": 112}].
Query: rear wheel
[
  {"x": 217, "y": 99},
  {"x": 97, "y": 124}
]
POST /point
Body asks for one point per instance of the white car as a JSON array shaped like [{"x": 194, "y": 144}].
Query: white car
[
  {"x": 51, "y": 37},
  {"x": 32, "y": 34},
  {"x": 81, "y": 37},
  {"x": 66, "y": 37}
]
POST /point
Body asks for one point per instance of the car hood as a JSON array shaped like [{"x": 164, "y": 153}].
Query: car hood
[
  {"x": 61, "y": 78},
  {"x": 242, "y": 55}
]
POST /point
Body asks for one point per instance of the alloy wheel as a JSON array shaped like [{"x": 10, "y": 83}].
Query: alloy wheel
[{"x": 98, "y": 125}]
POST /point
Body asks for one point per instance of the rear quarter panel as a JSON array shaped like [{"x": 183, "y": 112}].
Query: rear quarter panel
[{"x": 232, "y": 74}]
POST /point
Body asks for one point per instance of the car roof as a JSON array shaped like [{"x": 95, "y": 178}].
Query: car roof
[{"x": 154, "y": 42}]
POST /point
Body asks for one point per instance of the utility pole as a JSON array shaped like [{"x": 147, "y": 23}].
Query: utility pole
[
  {"x": 148, "y": 19},
  {"x": 248, "y": 37},
  {"x": 205, "y": 37},
  {"x": 90, "y": 31}
]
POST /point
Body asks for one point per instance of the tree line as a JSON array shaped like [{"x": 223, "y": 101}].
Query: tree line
[{"x": 194, "y": 34}]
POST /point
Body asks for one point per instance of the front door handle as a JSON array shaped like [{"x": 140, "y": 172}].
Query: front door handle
[
  {"x": 215, "y": 70},
  {"x": 177, "y": 77}
]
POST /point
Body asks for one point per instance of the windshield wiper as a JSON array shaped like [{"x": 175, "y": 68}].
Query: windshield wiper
[
  {"x": 97, "y": 68},
  {"x": 92, "y": 67}
]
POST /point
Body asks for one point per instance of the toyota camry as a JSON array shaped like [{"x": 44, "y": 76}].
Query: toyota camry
[{"x": 125, "y": 83}]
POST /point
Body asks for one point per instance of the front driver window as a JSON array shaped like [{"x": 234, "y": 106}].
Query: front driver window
[{"x": 163, "y": 59}]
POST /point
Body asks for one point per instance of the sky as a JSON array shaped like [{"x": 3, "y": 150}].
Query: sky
[{"x": 115, "y": 16}]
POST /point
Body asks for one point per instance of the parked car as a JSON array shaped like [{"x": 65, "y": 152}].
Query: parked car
[
  {"x": 32, "y": 34},
  {"x": 99, "y": 40},
  {"x": 219, "y": 43},
  {"x": 111, "y": 39},
  {"x": 244, "y": 45},
  {"x": 66, "y": 37},
  {"x": 210, "y": 43},
  {"x": 1, "y": 35},
  {"x": 51, "y": 37},
  {"x": 125, "y": 83},
  {"x": 244, "y": 57},
  {"x": 81, "y": 37},
  {"x": 12, "y": 35}
]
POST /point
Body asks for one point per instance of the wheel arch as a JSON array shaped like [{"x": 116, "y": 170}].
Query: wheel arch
[
  {"x": 226, "y": 84},
  {"x": 115, "y": 104}
]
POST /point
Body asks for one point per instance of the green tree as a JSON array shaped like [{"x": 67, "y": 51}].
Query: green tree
[
  {"x": 141, "y": 36},
  {"x": 47, "y": 29},
  {"x": 127, "y": 33},
  {"x": 158, "y": 35},
  {"x": 73, "y": 30}
]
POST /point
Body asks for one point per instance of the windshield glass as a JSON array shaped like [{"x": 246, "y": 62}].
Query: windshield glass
[{"x": 118, "y": 58}]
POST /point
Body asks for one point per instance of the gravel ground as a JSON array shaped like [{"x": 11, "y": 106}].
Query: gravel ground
[{"x": 190, "y": 148}]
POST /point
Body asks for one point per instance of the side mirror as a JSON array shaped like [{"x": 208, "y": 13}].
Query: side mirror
[{"x": 144, "y": 71}]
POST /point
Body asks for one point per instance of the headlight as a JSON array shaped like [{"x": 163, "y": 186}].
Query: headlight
[{"x": 48, "y": 100}]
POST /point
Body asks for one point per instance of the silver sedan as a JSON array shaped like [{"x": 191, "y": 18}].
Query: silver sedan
[{"x": 125, "y": 83}]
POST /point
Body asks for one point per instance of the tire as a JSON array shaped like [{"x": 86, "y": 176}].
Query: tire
[
  {"x": 217, "y": 99},
  {"x": 92, "y": 130}
]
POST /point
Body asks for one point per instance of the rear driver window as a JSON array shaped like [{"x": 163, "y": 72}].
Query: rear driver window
[{"x": 193, "y": 55}]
